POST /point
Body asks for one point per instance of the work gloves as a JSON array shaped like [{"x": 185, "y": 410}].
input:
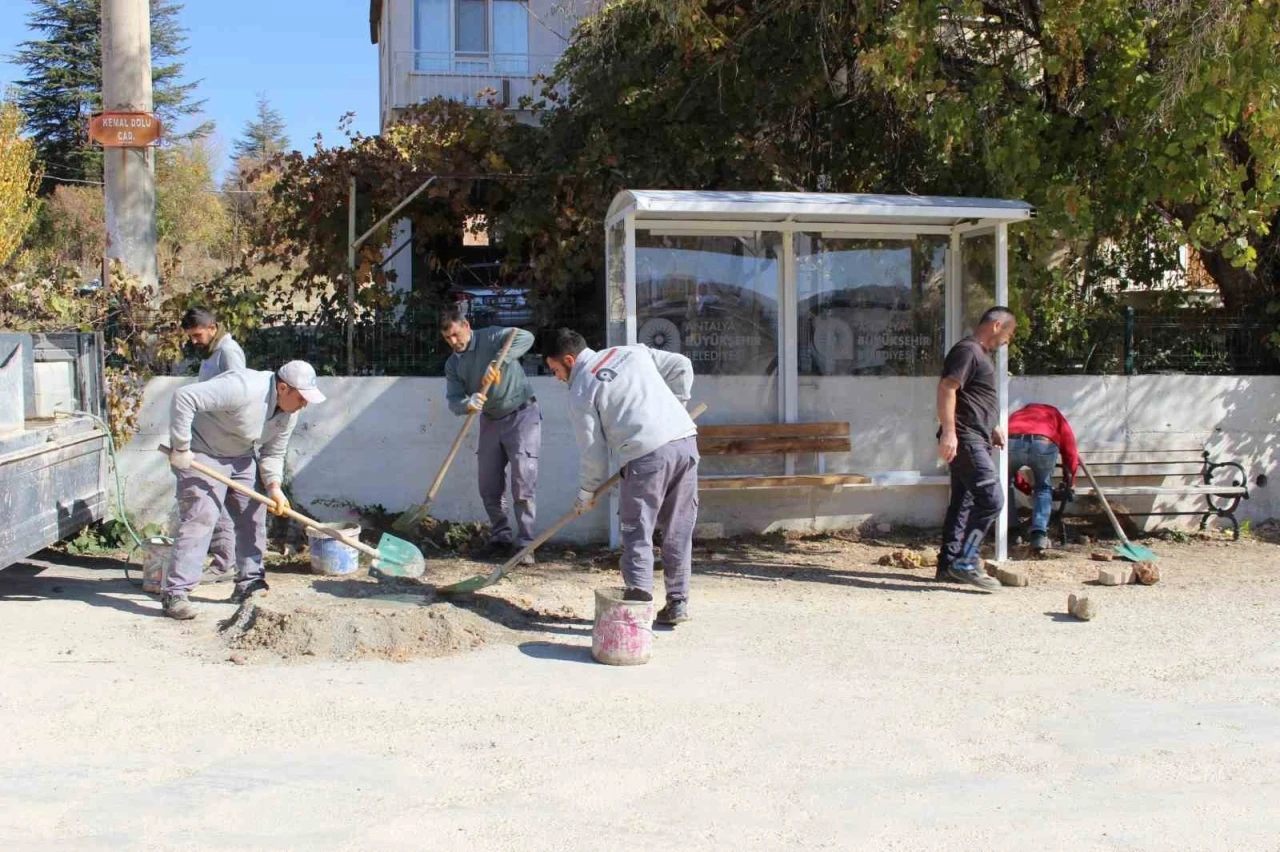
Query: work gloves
[
  {"x": 493, "y": 375},
  {"x": 282, "y": 502},
  {"x": 181, "y": 459},
  {"x": 476, "y": 401},
  {"x": 583, "y": 503}
]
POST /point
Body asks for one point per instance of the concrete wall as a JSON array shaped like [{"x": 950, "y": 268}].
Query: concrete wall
[{"x": 381, "y": 440}]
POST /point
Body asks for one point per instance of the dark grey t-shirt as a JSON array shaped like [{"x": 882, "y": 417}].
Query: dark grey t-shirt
[{"x": 977, "y": 401}]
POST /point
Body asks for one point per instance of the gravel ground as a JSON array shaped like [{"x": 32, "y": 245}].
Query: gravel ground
[{"x": 818, "y": 700}]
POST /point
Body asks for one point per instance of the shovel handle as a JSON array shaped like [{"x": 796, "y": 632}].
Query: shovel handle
[
  {"x": 466, "y": 424},
  {"x": 269, "y": 503},
  {"x": 1106, "y": 507},
  {"x": 560, "y": 524}
]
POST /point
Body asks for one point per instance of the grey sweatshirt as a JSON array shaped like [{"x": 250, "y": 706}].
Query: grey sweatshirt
[
  {"x": 629, "y": 399},
  {"x": 465, "y": 372},
  {"x": 237, "y": 413},
  {"x": 226, "y": 356}
]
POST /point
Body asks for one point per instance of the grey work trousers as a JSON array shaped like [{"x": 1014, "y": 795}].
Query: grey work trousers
[
  {"x": 660, "y": 490},
  {"x": 222, "y": 547},
  {"x": 512, "y": 440},
  {"x": 201, "y": 501}
]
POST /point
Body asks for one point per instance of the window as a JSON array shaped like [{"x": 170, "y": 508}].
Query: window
[
  {"x": 871, "y": 307},
  {"x": 484, "y": 35},
  {"x": 472, "y": 17}
]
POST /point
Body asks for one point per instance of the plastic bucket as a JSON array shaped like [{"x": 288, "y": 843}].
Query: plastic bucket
[
  {"x": 157, "y": 556},
  {"x": 623, "y": 630},
  {"x": 330, "y": 556}
]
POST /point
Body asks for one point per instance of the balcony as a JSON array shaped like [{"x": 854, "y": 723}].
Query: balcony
[{"x": 418, "y": 76}]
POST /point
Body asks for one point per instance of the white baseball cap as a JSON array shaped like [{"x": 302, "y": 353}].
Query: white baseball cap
[{"x": 301, "y": 376}]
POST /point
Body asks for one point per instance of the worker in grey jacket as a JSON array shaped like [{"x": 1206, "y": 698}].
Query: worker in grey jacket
[
  {"x": 510, "y": 424},
  {"x": 237, "y": 424},
  {"x": 631, "y": 400},
  {"x": 220, "y": 354}
]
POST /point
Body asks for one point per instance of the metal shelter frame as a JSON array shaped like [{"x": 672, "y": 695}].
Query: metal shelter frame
[{"x": 708, "y": 213}]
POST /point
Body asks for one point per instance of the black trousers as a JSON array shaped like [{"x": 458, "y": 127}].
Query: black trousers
[{"x": 976, "y": 500}]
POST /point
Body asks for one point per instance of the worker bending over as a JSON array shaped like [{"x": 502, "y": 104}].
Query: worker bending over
[
  {"x": 237, "y": 424},
  {"x": 631, "y": 400}
]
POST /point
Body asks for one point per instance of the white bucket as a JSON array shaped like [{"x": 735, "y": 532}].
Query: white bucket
[
  {"x": 623, "y": 631},
  {"x": 331, "y": 557},
  {"x": 157, "y": 556}
]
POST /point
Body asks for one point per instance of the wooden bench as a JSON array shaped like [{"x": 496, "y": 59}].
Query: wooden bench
[
  {"x": 1222, "y": 485},
  {"x": 777, "y": 439}
]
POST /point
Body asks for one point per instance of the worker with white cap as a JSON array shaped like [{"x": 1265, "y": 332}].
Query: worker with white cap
[{"x": 237, "y": 424}]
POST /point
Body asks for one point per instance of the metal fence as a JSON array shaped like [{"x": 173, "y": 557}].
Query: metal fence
[{"x": 1134, "y": 342}]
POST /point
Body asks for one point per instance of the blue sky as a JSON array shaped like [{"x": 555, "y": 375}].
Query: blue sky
[{"x": 312, "y": 59}]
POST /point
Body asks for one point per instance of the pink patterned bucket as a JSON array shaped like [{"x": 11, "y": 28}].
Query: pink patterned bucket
[{"x": 623, "y": 631}]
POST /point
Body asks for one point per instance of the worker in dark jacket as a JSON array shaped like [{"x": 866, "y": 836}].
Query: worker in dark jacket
[
  {"x": 1038, "y": 434},
  {"x": 510, "y": 424}
]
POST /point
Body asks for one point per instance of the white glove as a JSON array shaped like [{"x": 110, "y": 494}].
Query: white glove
[
  {"x": 181, "y": 459},
  {"x": 476, "y": 401},
  {"x": 583, "y": 503}
]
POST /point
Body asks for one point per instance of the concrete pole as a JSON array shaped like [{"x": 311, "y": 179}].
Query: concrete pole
[{"x": 129, "y": 173}]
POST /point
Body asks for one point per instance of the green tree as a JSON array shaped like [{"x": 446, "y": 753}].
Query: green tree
[
  {"x": 264, "y": 135},
  {"x": 62, "y": 86}
]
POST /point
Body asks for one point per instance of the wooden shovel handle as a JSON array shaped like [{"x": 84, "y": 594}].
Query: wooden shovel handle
[
  {"x": 466, "y": 424},
  {"x": 290, "y": 513},
  {"x": 1106, "y": 507}
]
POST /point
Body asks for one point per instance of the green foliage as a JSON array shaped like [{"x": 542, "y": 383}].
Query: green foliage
[
  {"x": 107, "y": 537},
  {"x": 62, "y": 86},
  {"x": 264, "y": 134}
]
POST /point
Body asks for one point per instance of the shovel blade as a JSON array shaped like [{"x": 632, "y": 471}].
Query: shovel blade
[
  {"x": 1135, "y": 553},
  {"x": 399, "y": 558},
  {"x": 471, "y": 585},
  {"x": 410, "y": 518}
]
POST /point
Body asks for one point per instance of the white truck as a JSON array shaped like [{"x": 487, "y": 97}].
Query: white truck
[{"x": 53, "y": 462}]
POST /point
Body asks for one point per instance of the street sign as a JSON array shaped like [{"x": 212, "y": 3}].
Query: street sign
[{"x": 124, "y": 129}]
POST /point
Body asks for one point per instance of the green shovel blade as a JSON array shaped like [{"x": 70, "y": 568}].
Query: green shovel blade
[{"x": 399, "y": 558}]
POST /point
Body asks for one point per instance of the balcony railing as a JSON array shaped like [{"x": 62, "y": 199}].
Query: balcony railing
[{"x": 418, "y": 76}]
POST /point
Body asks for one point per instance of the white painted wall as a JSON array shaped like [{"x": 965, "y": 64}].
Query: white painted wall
[{"x": 381, "y": 440}]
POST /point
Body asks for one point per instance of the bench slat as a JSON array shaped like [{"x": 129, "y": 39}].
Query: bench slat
[
  {"x": 1155, "y": 490},
  {"x": 776, "y": 430},
  {"x": 715, "y": 483},
  {"x": 761, "y": 446}
]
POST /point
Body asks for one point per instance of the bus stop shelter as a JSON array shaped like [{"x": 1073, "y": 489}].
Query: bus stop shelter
[{"x": 800, "y": 307}]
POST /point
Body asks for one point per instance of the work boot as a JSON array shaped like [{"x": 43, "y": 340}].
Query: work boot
[
  {"x": 639, "y": 595},
  {"x": 943, "y": 575},
  {"x": 177, "y": 606},
  {"x": 1040, "y": 541},
  {"x": 675, "y": 612},
  {"x": 969, "y": 572},
  {"x": 527, "y": 559},
  {"x": 249, "y": 590},
  {"x": 213, "y": 575}
]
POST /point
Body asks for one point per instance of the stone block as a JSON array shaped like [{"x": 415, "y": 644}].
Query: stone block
[
  {"x": 1011, "y": 577},
  {"x": 1081, "y": 607},
  {"x": 1119, "y": 575}
]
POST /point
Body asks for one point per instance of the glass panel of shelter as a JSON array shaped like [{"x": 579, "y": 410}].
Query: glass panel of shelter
[{"x": 713, "y": 296}]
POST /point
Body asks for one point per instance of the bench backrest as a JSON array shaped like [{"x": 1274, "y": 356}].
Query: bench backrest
[
  {"x": 1115, "y": 463},
  {"x": 769, "y": 438}
]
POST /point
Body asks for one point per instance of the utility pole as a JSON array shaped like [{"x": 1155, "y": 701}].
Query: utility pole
[{"x": 129, "y": 173}]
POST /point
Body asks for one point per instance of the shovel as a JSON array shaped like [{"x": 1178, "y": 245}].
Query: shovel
[
  {"x": 413, "y": 516},
  {"x": 394, "y": 556},
  {"x": 1126, "y": 549},
  {"x": 480, "y": 581}
]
